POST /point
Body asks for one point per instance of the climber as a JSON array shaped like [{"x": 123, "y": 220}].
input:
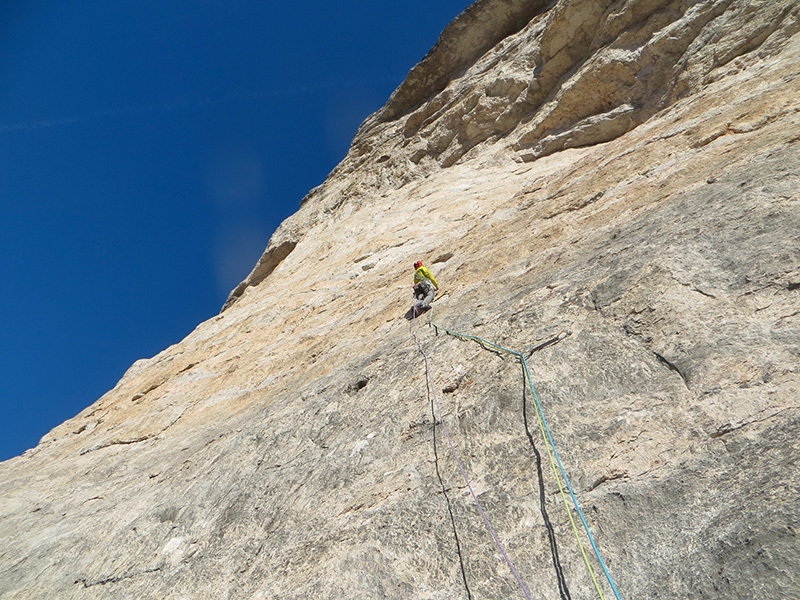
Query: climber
[{"x": 424, "y": 286}]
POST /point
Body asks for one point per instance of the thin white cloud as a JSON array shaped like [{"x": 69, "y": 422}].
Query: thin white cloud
[{"x": 183, "y": 103}]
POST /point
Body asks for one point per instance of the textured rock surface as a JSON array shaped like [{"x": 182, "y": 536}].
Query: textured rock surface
[{"x": 624, "y": 174}]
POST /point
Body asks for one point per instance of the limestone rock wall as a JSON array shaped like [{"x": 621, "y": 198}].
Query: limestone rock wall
[
  {"x": 538, "y": 78},
  {"x": 636, "y": 202}
]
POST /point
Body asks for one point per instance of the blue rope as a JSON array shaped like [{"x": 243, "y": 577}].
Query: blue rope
[
  {"x": 549, "y": 437},
  {"x": 495, "y": 538},
  {"x": 566, "y": 479}
]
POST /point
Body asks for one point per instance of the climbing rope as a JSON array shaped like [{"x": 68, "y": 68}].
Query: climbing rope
[
  {"x": 552, "y": 453},
  {"x": 432, "y": 389}
]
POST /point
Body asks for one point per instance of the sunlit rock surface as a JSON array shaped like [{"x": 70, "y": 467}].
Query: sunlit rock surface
[{"x": 622, "y": 178}]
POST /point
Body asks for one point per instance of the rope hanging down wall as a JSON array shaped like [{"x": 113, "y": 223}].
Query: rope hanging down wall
[
  {"x": 554, "y": 460},
  {"x": 432, "y": 390}
]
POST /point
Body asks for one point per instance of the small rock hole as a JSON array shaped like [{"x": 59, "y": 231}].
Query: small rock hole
[{"x": 357, "y": 386}]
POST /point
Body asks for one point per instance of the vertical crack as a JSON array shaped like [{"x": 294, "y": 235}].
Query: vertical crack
[
  {"x": 563, "y": 590},
  {"x": 449, "y": 506}
]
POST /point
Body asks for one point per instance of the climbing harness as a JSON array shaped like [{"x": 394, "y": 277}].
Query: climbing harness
[
  {"x": 552, "y": 453},
  {"x": 432, "y": 388},
  {"x": 422, "y": 288}
]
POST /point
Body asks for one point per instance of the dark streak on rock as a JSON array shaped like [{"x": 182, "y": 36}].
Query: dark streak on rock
[
  {"x": 606, "y": 478},
  {"x": 272, "y": 257},
  {"x": 117, "y": 443},
  {"x": 553, "y": 340},
  {"x": 671, "y": 367},
  {"x": 88, "y": 584},
  {"x": 706, "y": 294},
  {"x": 729, "y": 428}
]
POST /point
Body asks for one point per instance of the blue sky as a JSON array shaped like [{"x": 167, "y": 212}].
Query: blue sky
[{"x": 148, "y": 149}]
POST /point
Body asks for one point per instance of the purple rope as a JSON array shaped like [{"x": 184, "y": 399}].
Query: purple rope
[{"x": 432, "y": 389}]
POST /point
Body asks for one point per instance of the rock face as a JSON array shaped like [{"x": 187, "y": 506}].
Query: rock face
[{"x": 621, "y": 179}]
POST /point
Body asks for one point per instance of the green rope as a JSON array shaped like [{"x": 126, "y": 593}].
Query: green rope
[{"x": 552, "y": 454}]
